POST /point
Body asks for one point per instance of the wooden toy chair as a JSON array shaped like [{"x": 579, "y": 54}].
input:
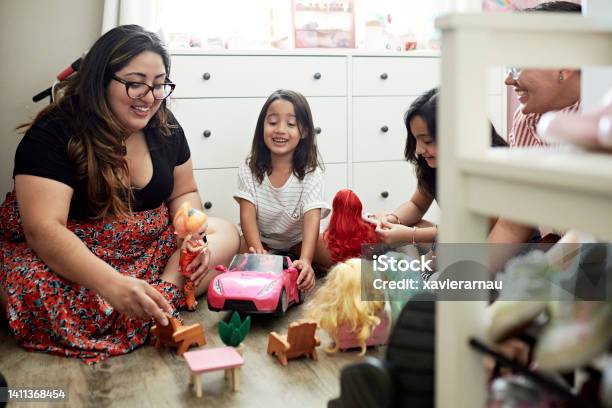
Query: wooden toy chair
[
  {"x": 176, "y": 335},
  {"x": 299, "y": 341}
]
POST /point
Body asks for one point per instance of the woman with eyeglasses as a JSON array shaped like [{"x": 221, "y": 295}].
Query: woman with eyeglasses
[
  {"x": 88, "y": 258},
  {"x": 542, "y": 90},
  {"x": 538, "y": 91}
]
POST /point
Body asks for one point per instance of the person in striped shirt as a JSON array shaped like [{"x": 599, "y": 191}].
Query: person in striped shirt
[
  {"x": 538, "y": 91},
  {"x": 280, "y": 186}
]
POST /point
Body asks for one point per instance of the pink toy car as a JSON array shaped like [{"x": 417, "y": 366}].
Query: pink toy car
[{"x": 255, "y": 284}]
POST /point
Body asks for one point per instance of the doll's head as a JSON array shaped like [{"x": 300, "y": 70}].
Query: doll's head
[
  {"x": 347, "y": 230},
  {"x": 189, "y": 221},
  {"x": 337, "y": 303}
]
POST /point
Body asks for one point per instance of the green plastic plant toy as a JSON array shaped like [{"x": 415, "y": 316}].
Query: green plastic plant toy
[{"x": 233, "y": 334}]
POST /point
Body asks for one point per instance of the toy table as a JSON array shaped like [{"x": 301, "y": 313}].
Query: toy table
[{"x": 213, "y": 359}]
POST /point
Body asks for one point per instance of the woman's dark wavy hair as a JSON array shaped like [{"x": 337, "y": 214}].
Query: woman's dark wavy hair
[
  {"x": 97, "y": 137},
  {"x": 425, "y": 106},
  {"x": 305, "y": 156},
  {"x": 557, "y": 6}
]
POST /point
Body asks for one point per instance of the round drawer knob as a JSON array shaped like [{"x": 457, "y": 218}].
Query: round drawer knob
[
  {"x": 384, "y": 129},
  {"x": 207, "y": 133},
  {"x": 317, "y": 75},
  {"x": 384, "y": 76},
  {"x": 318, "y": 130},
  {"x": 384, "y": 194},
  {"x": 206, "y": 76},
  {"x": 208, "y": 205}
]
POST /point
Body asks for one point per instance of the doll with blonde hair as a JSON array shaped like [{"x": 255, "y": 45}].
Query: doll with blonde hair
[
  {"x": 190, "y": 224},
  {"x": 337, "y": 305}
]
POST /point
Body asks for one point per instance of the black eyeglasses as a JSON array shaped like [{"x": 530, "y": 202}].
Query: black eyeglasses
[
  {"x": 137, "y": 90},
  {"x": 514, "y": 72}
]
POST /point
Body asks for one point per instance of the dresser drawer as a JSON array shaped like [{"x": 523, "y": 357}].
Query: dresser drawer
[
  {"x": 330, "y": 120},
  {"x": 217, "y": 187},
  {"x": 378, "y": 127},
  {"x": 335, "y": 179},
  {"x": 220, "y": 130},
  {"x": 248, "y": 76},
  {"x": 394, "y": 75},
  {"x": 384, "y": 186}
]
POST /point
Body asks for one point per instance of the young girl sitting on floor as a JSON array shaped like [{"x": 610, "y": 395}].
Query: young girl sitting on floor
[
  {"x": 406, "y": 223},
  {"x": 280, "y": 186}
]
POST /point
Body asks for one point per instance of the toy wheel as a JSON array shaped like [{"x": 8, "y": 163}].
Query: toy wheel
[{"x": 282, "y": 303}]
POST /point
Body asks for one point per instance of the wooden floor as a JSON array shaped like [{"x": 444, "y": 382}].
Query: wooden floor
[{"x": 158, "y": 378}]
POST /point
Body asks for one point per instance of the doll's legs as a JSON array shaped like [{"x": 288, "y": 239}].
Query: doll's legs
[
  {"x": 223, "y": 244},
  {"x": 189, "y": 293}
]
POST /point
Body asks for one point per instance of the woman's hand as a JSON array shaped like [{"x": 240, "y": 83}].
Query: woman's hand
[
  {"x": 306, "y": 278},
  {"x": 393, "y": 233},
  {"x": 136, "y": 298},
  {"x": 199, "y": 266}
]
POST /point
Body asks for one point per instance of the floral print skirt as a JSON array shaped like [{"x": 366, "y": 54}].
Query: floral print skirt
[{"x": 51, "y": 314}]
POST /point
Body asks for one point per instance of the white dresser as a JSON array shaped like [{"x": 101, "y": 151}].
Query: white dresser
[{"x": 357, "y": 99}]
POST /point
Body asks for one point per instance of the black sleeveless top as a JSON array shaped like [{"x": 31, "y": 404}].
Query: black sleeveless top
[{"x": 43, "y": 152}]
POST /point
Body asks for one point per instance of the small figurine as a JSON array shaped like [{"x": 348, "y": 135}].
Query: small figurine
[
  {"x": 255, "y": 283},
  {"x": 347, "y": 230},
  {"x": 299, "y": 341},
  {"x": 234, "y": 333},
  {"x": 190, "y": 224},
  {"x": 338, "y": 308},
  {"x": 174, "y": 334}
]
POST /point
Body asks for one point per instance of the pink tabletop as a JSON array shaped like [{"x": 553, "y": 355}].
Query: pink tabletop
[{"x": 211, "y": 359}]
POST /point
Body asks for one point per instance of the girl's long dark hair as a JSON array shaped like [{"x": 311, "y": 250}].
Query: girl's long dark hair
[
  {"x": 305, "y": 156},
  {"x": 97, "y": 137},
  {"x": 425, "y": 106}
]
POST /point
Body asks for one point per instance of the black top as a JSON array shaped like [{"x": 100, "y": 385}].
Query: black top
[{"x": 43, "y": 152}]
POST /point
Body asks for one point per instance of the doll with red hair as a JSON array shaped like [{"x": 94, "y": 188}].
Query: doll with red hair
[
  {"x": 347, "y": 230},
  {"x": 190, "y": 224}
]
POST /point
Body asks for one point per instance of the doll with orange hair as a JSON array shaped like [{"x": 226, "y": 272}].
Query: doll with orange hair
[
  {"x": 190, "y": 224},
  {"x": 338, "y": 309},
  {"x": 347, "y": 230}
]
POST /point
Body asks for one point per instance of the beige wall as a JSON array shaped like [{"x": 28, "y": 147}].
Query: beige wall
[{"x": 38, "y": 38}]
